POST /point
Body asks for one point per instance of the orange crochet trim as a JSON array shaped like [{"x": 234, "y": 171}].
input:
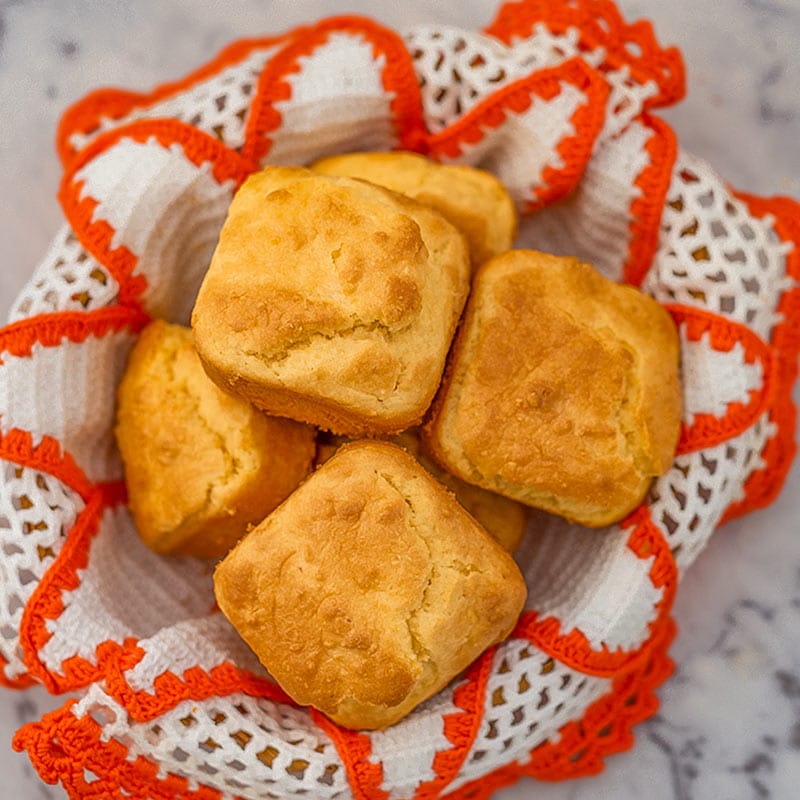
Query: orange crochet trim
[
  {"x": 646, "y": 210},
  {"x": 517, "y": 97},
  {"x": 604, "y": 729},
  {"x": 46, "y": 602},
  {"x": 574, "y": 649},
  {"x": 64, "y": 748},
  {"x": 723, "y": 334},
  {"x": 114, "y": 659},
  {"x": 47, "y": 456},
  {"x": 600, "y": 25},
  {"x": 84, "y": 117},
  {"x": 364, "y": 776},
  {"x": 96, "y": 235},
  {"x": 575, "y": 151},
  {"x": 23, "y": 681},
  {"x": 398, "y": 77},
  {"x": 198, "y": 147},
  {"x": 460, "y": 729},
  {"x": 78, "y": 672},
  {"x": 61, "y": 746},
  {"x": 49, "y": 330},
  {"x": 763, "y": 486},
  {"x": 196, "y": 684}
]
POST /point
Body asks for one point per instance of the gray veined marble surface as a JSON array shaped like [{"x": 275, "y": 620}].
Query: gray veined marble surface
[{"x": 729, "y": 728}]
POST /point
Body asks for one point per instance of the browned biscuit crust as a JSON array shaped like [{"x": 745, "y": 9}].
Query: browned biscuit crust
[
  {"x": 563, "y": 389},
  {"x": 503, "y": 519},
  {"x": 370, "y": 588},
  {"x": 331, "y": 301}
]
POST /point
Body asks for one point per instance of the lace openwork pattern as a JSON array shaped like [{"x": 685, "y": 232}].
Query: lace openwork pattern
[
  {"x": 68, "y": 278},
  {"x": 558, "y": 98},
  {"x": 37, "y": 512}
]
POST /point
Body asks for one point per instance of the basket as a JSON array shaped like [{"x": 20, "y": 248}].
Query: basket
[{"x": 558, "y": 99}]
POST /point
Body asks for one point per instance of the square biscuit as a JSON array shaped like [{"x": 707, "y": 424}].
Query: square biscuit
[
  {"x": 331, "y": 301},
  {"x": 370, "y": 588},
  {"x": 562, "y": 391},
  {"x": 200, "y": 465}
]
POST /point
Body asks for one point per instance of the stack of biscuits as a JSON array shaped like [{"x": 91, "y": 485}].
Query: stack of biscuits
[{"x": 374, "y": 389}]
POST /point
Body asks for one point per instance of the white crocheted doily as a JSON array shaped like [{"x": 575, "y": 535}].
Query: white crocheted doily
[{"x": 556, "y": 103}]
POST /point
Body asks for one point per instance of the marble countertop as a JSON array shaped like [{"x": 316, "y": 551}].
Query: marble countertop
[{"x": 729, "y": 726}]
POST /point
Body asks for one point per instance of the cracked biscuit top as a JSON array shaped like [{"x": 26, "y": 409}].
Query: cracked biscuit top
[
  {"x": 200, "y": 465},
  {"x": 472, "y": 199},
  {"x": 562, "y": 391},
  {"x": 331, "y": 301},
  {"x": 503, "y": 519},
  {"x": 348, "y": 592}
]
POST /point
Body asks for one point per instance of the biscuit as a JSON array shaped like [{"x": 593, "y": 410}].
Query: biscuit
[
  {"x": 503, "y": 519},
  {"x": 331, "y": 301},
  {"x": 472, "y": 199},
  {"x": 200, "y": 465},
  {"x": 370, "y": 588},
  {"x": 562, "y": 391}
]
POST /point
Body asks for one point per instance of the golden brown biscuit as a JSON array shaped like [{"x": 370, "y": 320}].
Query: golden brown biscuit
[
  {"x": 472, "y": 199},
  {"x": 331, "y": 301},
  {"x": 502, "y": 518},
  {"x": 200, "y": 465},
  {"x": 370, "y": 588},
  {"x": 563, "y": 389}
]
